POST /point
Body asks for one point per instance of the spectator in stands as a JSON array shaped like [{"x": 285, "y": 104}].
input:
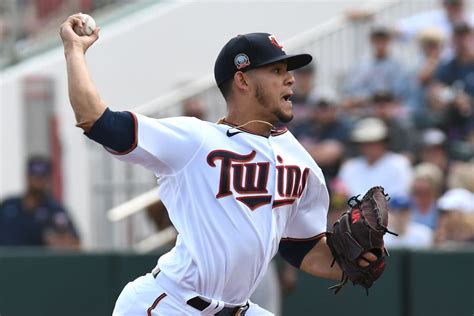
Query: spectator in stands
[
  {"x": 36, "y": 218},
  {"x": 461, "y": 175},
  {"x": 434, "y": 150},
  {"x": 305, "y": 80},
  {"x": 451, "y": 98},
  {"x": 411, "y": 235},
  {"x": 450, "y": 110},
  {"x": 453, "y": 12},
  {"x": 325, "y": 134},
  {"x": 459, "y": 71},
  {"x": 431, "y": 43},
  {"x": 378, "y": 72},
  {"x": 456, "y": 222},
  {"x": 303, "y": 89},
  {"x": 376, "y": 165},
  {"x": 401, "y": 135},
  {"x": 425, "y": 191}
]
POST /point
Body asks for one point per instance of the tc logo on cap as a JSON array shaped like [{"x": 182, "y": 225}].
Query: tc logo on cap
[
  {"x": 275, "y": 42},
  {"x": 241, "y": 61}
]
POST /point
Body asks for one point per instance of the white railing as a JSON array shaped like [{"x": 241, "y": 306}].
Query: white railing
[
  {"x": 156, "y": 240},
  {"x": 335, "y": 44},
  {"x": 133, "y": 206}
]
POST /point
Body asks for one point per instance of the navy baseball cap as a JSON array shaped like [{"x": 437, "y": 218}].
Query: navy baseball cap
[
  {"x": 38, "y": 166},
  {"x": 249, "y": 51}
]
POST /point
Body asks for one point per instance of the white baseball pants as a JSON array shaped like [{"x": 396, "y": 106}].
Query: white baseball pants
[{"x": 145, "y": 297}]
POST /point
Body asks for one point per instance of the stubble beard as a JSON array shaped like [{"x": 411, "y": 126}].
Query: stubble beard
[{"x": 265, "y": 101}]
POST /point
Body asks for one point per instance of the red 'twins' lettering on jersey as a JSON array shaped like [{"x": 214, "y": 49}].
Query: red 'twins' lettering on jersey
[{"x": 250, "y": 179}]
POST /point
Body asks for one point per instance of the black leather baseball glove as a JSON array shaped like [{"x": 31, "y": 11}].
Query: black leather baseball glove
[{"x": 360, "y": 230}]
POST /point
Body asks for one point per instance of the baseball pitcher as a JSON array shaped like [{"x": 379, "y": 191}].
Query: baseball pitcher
[{"x": 238, "y": 191}]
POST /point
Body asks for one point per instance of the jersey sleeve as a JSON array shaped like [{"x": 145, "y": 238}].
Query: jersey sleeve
[
  {"x": 164, "y": 146},
  {"x": 310, "y": 218}
]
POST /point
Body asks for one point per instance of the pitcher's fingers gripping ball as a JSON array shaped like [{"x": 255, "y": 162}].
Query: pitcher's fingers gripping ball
[
  {"x": 87, "y": 27},
  {"x": 358, "y": 235},
  {"x": 76, "y": 31}
]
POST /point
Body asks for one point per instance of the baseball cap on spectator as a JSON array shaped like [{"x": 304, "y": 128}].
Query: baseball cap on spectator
[
  {"x": 431, "y": 35},
  {"x": 431, "y": 173},
  {"x": 433, "y": 137},
  {"x": 249, "y": 51},
  {"x": 369, "y": 129},
  {"x": 325, "y": 97},
  {"x": 461, "y": 175},
  {"x": 458, "y": 199},
  {"x": 38, "y": 166}
]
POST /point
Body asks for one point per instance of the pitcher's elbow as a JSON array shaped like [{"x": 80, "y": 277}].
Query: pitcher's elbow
[{"x": 86, "y": 125}]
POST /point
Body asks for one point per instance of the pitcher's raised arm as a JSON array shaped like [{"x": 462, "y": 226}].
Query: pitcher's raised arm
[{"x": 83, "y": 95}]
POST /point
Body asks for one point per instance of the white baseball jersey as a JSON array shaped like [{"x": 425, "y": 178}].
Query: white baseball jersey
[{"x": 232, "y": 198}]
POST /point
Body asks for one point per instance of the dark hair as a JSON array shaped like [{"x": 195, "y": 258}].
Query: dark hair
[
  {"x": 453, "y": 2},
  {"x": 226, "y": 88},
  {"x": 380, "y": 31},
  {"x": 461, "y": 28},
  {"x": 383, "y": 96}
]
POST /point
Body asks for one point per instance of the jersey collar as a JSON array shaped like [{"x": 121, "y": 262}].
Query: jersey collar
[{"x": 273, "y": 131}]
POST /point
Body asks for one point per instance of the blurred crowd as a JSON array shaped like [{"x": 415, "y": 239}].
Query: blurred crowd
[
  {"x": 36, "y": 218},
  {"x": 407, "y": 125}
]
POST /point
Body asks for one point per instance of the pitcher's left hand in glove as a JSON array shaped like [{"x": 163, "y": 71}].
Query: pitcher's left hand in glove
[{"x": 358, "y": 231}]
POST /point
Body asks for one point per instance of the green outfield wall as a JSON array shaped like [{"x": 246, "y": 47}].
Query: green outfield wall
[{"x": 47, "y": 283}]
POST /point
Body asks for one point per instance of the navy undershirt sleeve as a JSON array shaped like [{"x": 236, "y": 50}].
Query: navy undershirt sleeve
[
  {"x": 294, "y": 251},
  {"x": 114, "y": 130}
]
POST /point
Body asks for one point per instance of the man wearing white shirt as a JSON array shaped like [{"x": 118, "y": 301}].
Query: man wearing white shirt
[
  {"x": 454, "y": 11},
  {"x": 376, "y": 165}
]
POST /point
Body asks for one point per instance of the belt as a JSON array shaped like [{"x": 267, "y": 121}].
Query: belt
[{"x": 200, "y": 304}]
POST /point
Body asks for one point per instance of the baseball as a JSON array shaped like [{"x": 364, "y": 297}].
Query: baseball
[{"x": 87, "y": 28}]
